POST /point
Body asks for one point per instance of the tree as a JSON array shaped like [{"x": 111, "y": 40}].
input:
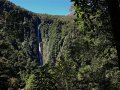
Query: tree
[
  {"x": 114, "y": 12},
  {"x": 87, "y": 9},
  {"x": 93, "y": 16}
]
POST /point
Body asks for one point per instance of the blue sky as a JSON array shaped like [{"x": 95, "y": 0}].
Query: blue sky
[{"x": 53, "y": 7}]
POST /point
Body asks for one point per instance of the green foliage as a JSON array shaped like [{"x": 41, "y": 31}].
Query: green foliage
[
  {"x": 14, "y": 55},
  {"x": 54, "y": 30},
  {"x": 18, "y": 48},
  {"x": 77, "y": 55},
  {"x": 98, "y": 55},
  {"x": 13, "y": 83},
  {"x": 30, "y": 82}
]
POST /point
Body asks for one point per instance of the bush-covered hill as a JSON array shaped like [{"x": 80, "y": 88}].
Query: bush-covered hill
[
  {"x": 18, "y": 43},
  {"x": 54, "y": 31},
  {"x": 19, "y": 46},
  {"x": 75, "y": 57}
]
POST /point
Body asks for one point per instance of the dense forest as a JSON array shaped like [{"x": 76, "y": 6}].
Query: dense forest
[{"x": 80, "y": 52}]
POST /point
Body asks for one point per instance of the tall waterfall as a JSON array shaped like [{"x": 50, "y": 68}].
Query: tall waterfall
[{"x": 40, "y": 57}]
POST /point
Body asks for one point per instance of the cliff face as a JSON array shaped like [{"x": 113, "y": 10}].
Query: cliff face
[
  {"x": 54, "y": 31},
  {"x": 19, "y": 44},
  {"x": 20, "y": 30}
]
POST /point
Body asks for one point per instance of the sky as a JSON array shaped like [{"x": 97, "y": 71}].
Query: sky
[{"x": 53, "y": 7}]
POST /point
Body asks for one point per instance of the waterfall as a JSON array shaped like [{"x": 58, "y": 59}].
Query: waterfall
[{"x": 40, "y": 57}]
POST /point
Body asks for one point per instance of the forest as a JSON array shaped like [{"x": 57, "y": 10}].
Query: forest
[{"x": 80, "y": 51}]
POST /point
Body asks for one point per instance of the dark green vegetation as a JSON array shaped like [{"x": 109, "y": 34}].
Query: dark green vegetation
[
  {"x": 77, "y": 55},
  {"x": 102, "y": 18}
]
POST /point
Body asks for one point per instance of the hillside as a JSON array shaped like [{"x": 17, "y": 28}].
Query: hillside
[
  {"x": 54, "y": 31},
  {"x": 18, "y": 42},
  {"x": 74, "y": 57},
  {"x": 18, "y": 39}
]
